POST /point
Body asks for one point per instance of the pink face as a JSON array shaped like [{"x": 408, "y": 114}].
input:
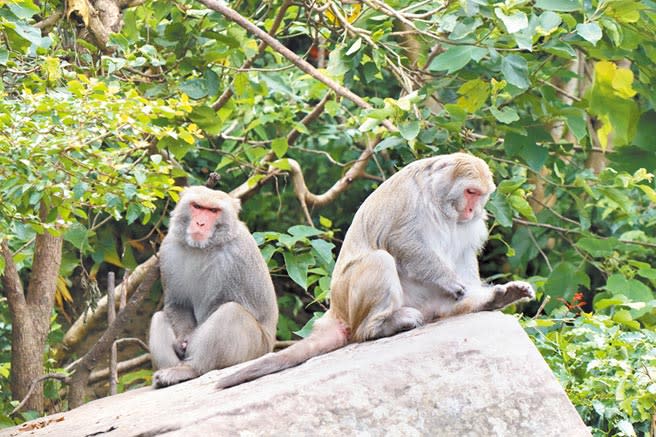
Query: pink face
[
  {"x": 472, "y": 197},
  {"x": 203, "y": 219}
]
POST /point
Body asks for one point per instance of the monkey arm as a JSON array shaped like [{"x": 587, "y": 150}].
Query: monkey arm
[{"x": 419, "y": 262}]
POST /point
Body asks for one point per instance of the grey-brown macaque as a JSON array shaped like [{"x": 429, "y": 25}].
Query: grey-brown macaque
[
  {"x": 409, "y": 257},
  {"x": 219, "y": 303}
]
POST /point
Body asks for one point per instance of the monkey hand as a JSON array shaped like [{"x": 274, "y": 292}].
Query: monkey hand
[
  {"x": 453, "y": 288},
  {"x": 180, "y": 348}
]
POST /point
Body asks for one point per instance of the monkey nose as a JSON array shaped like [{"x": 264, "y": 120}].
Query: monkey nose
[{"x": 200, "y": 225}]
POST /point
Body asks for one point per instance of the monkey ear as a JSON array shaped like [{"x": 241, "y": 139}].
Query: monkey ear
[{"x": 237, "y": 204}]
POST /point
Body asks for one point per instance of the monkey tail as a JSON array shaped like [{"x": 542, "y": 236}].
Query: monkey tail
[{"x": 327, "y": 335}]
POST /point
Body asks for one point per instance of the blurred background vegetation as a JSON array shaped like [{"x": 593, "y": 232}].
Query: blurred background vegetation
[{"x": 109, "y": 107}]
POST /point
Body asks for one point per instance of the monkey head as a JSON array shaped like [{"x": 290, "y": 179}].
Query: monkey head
[
  {"x": 204, "y": 218},
  {"x": 467, "y": 189}
]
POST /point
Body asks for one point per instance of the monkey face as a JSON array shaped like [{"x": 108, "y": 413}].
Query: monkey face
[
  {"x": 204, "y": 217},
  {"x": 203, "y": 220}
]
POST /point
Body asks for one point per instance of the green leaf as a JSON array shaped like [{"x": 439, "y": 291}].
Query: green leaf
[
  {"x": 304, "y": 231},
  {"x": 297, "y": 268},
  {"x": 354, "y": 47},
  {"x": 324, "y": 250},
  {"x": 506, "y": 115},
  {"x": 597, "y": 247},
  {"x": 633, "y": 289},
  {"x": 515, "y": 22},
  {"x": 194, "y": 88},
  {"x": 559, "y": 5},
  {"x": 78, "y": 235},
  {"x": 625, "y": 318},
  {"x": 515, "y": 71},
  {"x": 32, "y": 35},
  {"x": 563, "y": 282},
  {"x": 23, "y": 9},
  {"x": 336, "y": 64},
  {"x": 500, "y": 207},
  {"x": 521, "y": 205},
  {"x": 389, "y": 143},
  {"x": 279, "y": 146},
  {"x": 591, "y": 32},
  {"x": 473, "y": 94},
  {"x": 409, "y": 130},
  {"x": 575, "y": 119},
  {"x": 455, "y": 58},
  {"x": 207, "y": 119}
]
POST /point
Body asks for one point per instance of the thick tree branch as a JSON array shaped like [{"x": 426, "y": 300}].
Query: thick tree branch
[{"x": 11, "y": 282}]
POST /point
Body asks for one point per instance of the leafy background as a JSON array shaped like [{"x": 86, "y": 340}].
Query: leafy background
[{"x": 98, "y": 135}]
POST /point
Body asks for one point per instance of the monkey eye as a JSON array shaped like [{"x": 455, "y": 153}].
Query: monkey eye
[
  {"x": 472, "y": 191},
  {"x": 214, "y": 210},
  {"x": 196, "y": 206}
]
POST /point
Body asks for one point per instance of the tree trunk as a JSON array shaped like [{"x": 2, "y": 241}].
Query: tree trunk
[{"x": 30, "y": 315}]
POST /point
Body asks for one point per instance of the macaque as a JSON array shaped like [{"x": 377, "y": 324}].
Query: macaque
[
  {"x": 219, "y": 303},
  {"x": 409, "y": 257}
]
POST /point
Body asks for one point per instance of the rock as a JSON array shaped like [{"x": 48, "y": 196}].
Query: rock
[{"x": 472, "y": 375}]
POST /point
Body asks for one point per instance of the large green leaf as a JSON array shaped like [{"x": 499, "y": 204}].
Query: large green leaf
[{"x": 515, "y": 71}]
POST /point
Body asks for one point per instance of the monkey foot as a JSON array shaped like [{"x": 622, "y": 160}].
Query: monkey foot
[
  {"x": 407, "y": 318},
  {"x": 520, "y": 290},
  {"x": 173, "y": 375}
]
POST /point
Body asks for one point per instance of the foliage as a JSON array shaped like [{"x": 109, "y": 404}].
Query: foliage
[
  {"x": 308, "y": 261},
  {"x": 607, "y": 369},
  {"x": 557, "y": 96}
]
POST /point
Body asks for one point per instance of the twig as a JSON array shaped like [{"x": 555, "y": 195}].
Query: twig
[
  {"x": 544, "y": 303},
  {"x": 123, "y": 366},
  {"x": 111, "y": 315},
  {"x": 537, "y": 245},
  {"x": 60, "y": 376}
]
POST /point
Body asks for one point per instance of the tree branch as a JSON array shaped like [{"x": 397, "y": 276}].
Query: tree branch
[
  {"x": 301, "y": 63},
  {"x": 60, "y": 376},
  {"x": 11, "y": 281},
  {"x": 92, "y": 317},
  {"x": 83, "y": 369},
  {"x": 123, "y": 366},
  {"x": 228, "y": 93}
]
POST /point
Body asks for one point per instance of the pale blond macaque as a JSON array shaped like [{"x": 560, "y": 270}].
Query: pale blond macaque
[
  {"x": 219, "y": 303},
  {"x": 409, "y": 257}
]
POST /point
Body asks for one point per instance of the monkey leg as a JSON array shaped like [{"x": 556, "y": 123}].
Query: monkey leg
[
  {"x": 162, "y": 340},
  {"x": 376, "y": 299},
  {"x": 488, "y": 298},
  {"x": 231, "y": 335}
]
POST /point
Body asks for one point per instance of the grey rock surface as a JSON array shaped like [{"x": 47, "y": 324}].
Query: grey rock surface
[{"x": 471, "y": 375}]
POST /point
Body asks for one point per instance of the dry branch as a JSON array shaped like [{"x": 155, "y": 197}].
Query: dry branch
[
  {"x": 123, "y": 366},
  {"x": 92, "y": 317},
  {"x": 80, "y": 378}
]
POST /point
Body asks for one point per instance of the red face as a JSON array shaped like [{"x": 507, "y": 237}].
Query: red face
[
  {"x": 203, "y": 219},
  {"x": 472, "y": 199}
]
